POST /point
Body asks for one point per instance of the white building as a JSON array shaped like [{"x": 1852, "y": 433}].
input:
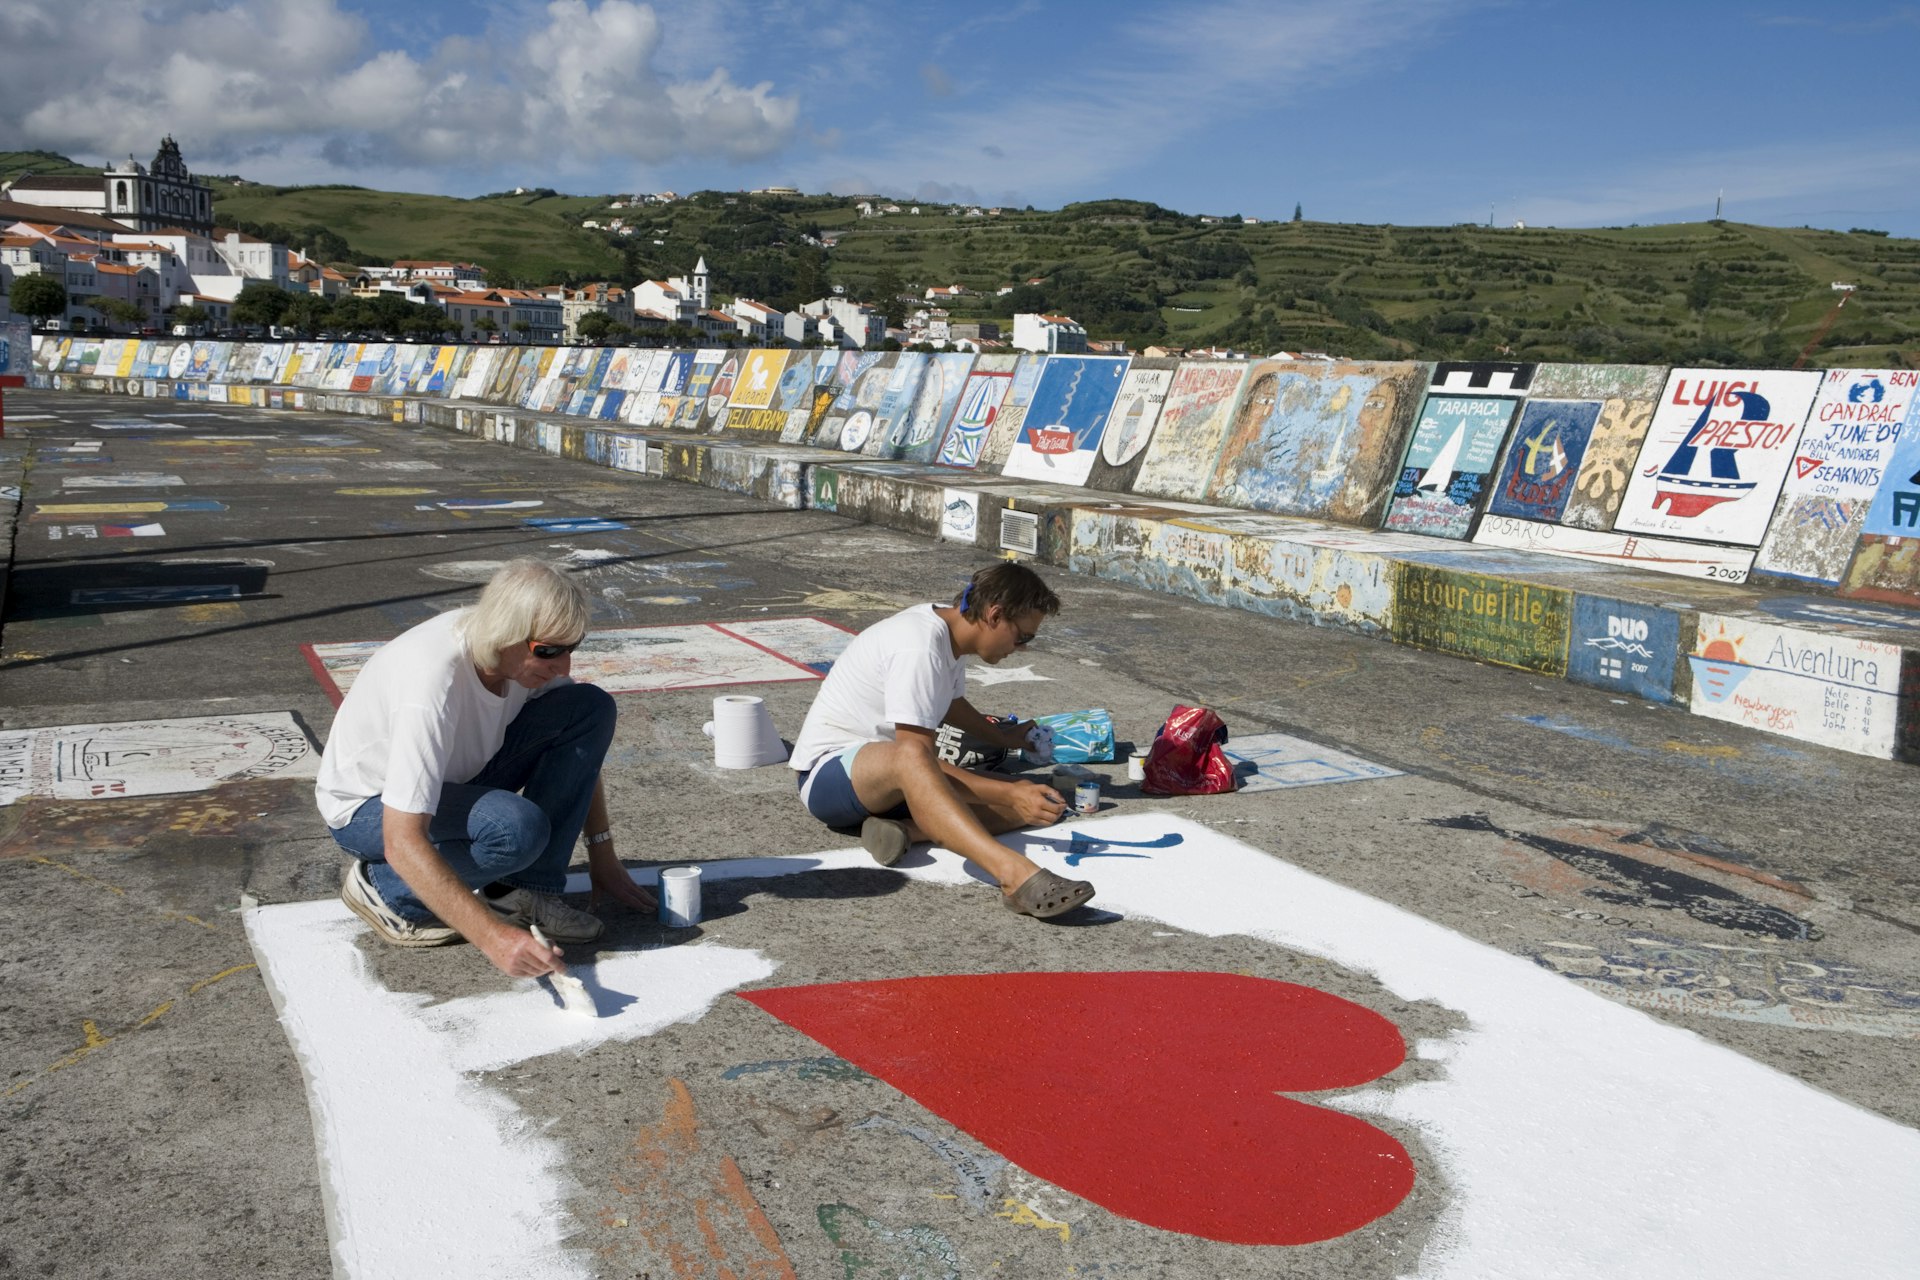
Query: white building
[
  {"x": 853, "y": 324},
  {"x": 575, "y": 304},
  {"x": 139, "y": 197},
  {"x": 758, "y": 321},
  {"x": 677, "y": 297},
  {"x": 1033, "y": 332}
]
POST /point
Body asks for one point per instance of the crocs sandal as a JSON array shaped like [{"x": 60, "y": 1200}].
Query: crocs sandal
[
  {"x": 1045, "y": 894},
  {"x": 885, "y": 839}
]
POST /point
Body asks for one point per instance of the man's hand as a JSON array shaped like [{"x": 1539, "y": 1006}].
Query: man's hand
[
  {"x": 1037, "y": 805},
  {"x": 518, "y": 954},
  {"x": 607, "y": 876},
  {"x": 1036, "y": 740}
]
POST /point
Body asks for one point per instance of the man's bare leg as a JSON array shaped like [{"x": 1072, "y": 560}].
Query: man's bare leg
[{"x": 943, "y": 805}]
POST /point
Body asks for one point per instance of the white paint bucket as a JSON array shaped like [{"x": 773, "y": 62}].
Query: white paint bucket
[
  {"x": 1137, "y": 767},
  {"x": 743, "y": 733},
  {"x": 680, "y": 897}
]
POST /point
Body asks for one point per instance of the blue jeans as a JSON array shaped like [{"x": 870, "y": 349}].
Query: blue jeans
[{"x": 516, "y": 822}]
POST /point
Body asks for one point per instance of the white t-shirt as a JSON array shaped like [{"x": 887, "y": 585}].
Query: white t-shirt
[
  {"x": 415, "y": 717},
  {"x": 898, "y": 671}
]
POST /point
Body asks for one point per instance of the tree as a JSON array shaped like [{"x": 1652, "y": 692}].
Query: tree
[
  {"x": 522, "y": 328},
  {"x": 39, "y": 297},
  {"x": 260, "y": 305},
  {"x": 487, "y": 325},
  {"x": 1296, "y": 212},
  {"x": 121, "y": 311},
  {"x": 887, "y": 287},
  {"x": 425, "y": 322},
  {"x": 191, "y": 314},
  {"x": 308, "y": 314},
  {"x": 594, "y": 326}
]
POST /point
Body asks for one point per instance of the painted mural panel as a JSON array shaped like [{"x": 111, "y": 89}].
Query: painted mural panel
[
  {"x": 1833, "y": 690},
  {"x": 1010, "y": 423},
  {"x": 1612, "y": 446},
  {"x": 1628, "y": 550},
  {"x": 919, "y": 434},
  {"x": 1130, "y": 427},
  {"x": 1443, "y": 480},
  {"x": 117, "y": 356},
  {"x": 1624, "y": 647},
  {"x": 1180, "y": 457},
  {"x": 152, "y": 757},
  {"x": 1159, "y": 555},
  {"x": 1549, "y": 441},
  {"x": 692, "y": 413},
  {"x": 794, "y": 396},
  {"x": 760, "y": 371},
  {"x": 1598, "y": 382},
  {"x": 1857, "y": 421},
  {"x": 1497, "y": 620},
  {"x": 1720, "y": 446},
  {"x": 890, "y": 415},
  {"x": 473, "y": 379},
  {"x": 1318, "y": 439},
  {"x": 1287, "y": 577},
  {"x": 850, "y": 420},
  {"x": 975, "y": 411},
  {"x": 1483, "y": 377},
  {"x": 834, "y": 397},
  {"x": 1061, "y": 434},
  {"x": 752, "y": 410},
  {"x": 960, "y": 516}
]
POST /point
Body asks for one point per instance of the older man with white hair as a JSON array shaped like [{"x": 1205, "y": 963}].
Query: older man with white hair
[{"x": 463, "y": 766}]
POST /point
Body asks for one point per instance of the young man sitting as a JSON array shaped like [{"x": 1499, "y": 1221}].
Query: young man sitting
[{"x": 866, "y": 754}]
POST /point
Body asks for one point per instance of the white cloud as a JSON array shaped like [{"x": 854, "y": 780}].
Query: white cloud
[{"x": 282, "y": 83}]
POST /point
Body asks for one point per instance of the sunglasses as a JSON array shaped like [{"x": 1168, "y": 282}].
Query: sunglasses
[
  {"x": 1021, "y": 639},
  {"x": 548, "y": 652}
]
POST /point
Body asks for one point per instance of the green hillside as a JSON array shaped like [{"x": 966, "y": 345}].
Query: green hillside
[
  {"x": 521, "y": 240},
  {"x": 44, "y": 164},
  {"x": 1714, "y": 292}
]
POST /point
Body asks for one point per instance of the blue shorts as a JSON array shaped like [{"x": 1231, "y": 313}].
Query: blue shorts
[{"x": 827, "y": 791}]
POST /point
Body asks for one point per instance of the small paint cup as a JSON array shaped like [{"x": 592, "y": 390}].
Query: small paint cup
[
  {"x": 1137, "y": 767},
  {"x": 680, "y": 897},
  {"x": 1086, "y": 797}
]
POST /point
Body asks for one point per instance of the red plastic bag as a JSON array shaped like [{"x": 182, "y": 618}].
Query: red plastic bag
[{"x": 1186, "y": 759}]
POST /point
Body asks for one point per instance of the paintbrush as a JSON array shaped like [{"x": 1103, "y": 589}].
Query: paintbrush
[{"x": 572, "y": 992}]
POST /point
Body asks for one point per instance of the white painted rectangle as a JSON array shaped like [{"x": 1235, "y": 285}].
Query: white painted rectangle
[
  {"x": 635, "y": 660},
  {"x": 959, "y": 516},
  {"x": 405, "y": 1089},
  {"x": 1275, "y": 761},
  {"x": 1821, "y": 688},
  {"x": 1662, "y": 555},
  {"x": 152, "y": 757},
  {"x": 126, "y": 480}
]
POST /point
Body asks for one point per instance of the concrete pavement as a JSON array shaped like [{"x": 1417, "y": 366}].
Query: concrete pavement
[{"x": 1654, "y": 976}]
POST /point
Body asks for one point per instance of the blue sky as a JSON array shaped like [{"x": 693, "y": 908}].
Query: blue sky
[{"x": 1400, "y": 111}]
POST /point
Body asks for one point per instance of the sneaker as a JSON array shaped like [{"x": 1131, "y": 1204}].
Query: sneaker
[
  {"x": 560, "y": 922},
  {"x": 885, "y": 839},
  {"x": 357, "y": 891}
]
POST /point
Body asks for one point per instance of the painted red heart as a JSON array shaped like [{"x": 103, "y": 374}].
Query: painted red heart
[{"x": 1150, "y": 1094}]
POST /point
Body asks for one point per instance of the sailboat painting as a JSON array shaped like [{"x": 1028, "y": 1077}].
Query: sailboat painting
[
  {"x": 1716, "y": 454},
  {"x": 1444, "y": 477}
]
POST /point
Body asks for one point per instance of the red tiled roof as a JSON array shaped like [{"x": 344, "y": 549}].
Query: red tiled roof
[{"x": 56, "y": 182}]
